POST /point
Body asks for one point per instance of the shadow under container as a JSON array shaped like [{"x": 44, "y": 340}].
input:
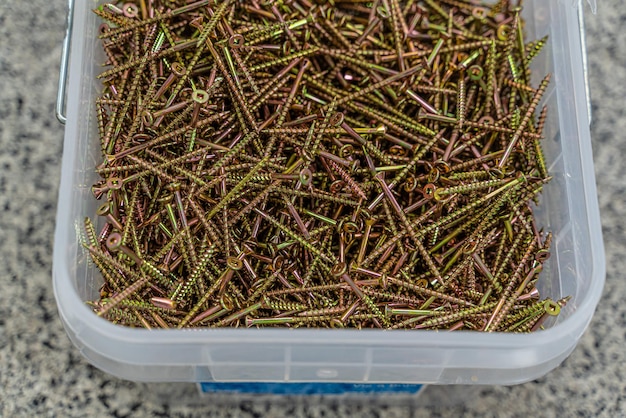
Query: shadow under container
[{"x": 568, "y": 207}]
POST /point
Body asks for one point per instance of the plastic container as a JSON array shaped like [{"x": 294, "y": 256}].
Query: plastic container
[{"x": 568, "y": 208}]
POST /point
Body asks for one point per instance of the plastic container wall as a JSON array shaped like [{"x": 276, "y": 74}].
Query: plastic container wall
[{"x": 568, "y": 208}]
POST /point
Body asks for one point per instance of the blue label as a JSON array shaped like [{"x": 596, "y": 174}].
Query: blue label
[{"x": 312, "y": 388}]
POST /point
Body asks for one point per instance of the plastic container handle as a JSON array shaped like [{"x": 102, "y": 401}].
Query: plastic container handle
[
  {"x": 65, "y": 56},
  {"x": 583, "y": 42}
]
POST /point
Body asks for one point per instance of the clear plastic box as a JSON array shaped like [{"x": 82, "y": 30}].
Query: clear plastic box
[{"x": 568, "y": 207}]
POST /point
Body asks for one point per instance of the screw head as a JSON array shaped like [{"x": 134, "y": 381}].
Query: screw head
[
  {"x": 339, "y": 269},
  {"x": 234, "y": 263},
  {"x": 114, "y": 241},
  {"x": 475, "y": 72},
  {"x": 104, "y": 209},
  {"x": 130, "y": 10},
  {"x": 236, "y": 41},
  {"x": 503, "y": 32},
  {"x": 200, "y": 96},
  {"x": 179, "y": 69},
  {"x": 429, "y": 191},
  {"x": 306, "y": 176},
  {"x": 336, "y": 119},
  {"x": 551, "y": 307},
  {"x": 542, "y": 255}
]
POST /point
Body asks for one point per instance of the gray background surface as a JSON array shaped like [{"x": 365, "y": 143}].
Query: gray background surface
[{"x": 42, "y": 374}]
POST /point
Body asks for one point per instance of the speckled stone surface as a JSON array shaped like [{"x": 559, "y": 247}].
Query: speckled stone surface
[{"x": 42, "y": 374}]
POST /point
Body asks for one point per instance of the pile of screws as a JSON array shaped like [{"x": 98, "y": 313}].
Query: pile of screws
[{"x": 301, "y": 163}]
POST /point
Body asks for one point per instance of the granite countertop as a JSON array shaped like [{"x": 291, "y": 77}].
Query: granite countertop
[{"x": 43, "y": 374}]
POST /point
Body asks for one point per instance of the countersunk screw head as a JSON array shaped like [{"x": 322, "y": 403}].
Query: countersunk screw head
[
  {"x": 306, "y": 177},
  {"x": 336, "y": 119},
  {"x": 551, "y": 307},
  {"x": 339, "y": 269},
  {"x": 114, "y": 241},
  {"x": 234, "y": 263}
]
